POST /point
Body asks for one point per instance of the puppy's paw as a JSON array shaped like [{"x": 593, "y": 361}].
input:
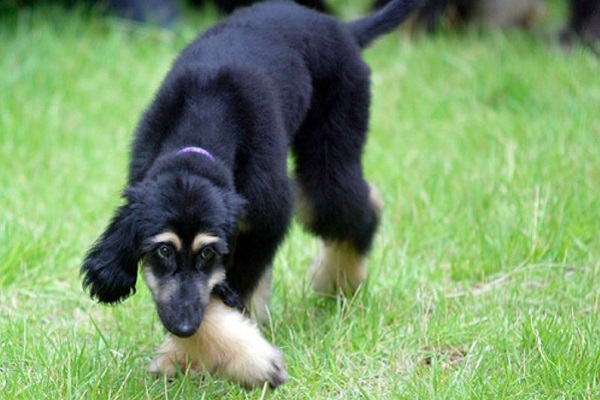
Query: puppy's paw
[
  {"x": 165, "y": 364},
  {"x": 231, "y": 345},
  {"x": 261, "y": 364},
  {"x": 279, "y": 374},
  {"x": 339, "y": 268},
  {"x": 275, "y": 374},
  {"x": 172, "y": 359}
]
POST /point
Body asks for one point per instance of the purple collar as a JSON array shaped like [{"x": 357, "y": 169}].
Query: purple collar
[{"x": 198, "y": 150}]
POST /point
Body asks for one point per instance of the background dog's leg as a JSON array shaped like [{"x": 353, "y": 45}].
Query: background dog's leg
[
  {"x": 333, "y": 199},
  {"x": 229, "y": 344}
]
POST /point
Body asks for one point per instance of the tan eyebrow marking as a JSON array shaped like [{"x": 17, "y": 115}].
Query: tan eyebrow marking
[
  {"x": 202, "y": 239},
  {"x": 168, "y": 237}
]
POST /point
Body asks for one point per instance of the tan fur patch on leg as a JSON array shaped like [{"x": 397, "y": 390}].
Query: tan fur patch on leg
[
  {"x": 229, "y": 344},
  {"x": 304, "y": 211},
  {"x": 259, "y": 302},
  {"x": 172, "y": 357},
  {"x": 338, "y": 267},
  {"x": 375, "y": 199}
]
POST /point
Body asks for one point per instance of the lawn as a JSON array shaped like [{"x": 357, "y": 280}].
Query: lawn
[{"x": 484, "y": 281}]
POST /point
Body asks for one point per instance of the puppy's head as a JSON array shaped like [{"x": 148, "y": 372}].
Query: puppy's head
[{"x": 178, "y": 224}]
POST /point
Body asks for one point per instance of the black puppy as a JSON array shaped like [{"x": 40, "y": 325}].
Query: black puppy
[{"x": 209, "y": 200}]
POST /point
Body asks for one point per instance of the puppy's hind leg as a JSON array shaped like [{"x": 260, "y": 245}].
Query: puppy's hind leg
[
  {"x": 334, "y": 201},
  {"x": 341, "y": 264}
]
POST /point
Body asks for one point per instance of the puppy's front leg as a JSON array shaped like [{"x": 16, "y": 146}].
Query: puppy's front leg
[
  {"x": 172, "y": 357},
  {"x": 227, "y": 343}
]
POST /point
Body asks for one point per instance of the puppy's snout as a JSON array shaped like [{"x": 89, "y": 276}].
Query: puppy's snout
[
  {"x": 184, "y": 330},
  {"x": 188, "y": 321}
]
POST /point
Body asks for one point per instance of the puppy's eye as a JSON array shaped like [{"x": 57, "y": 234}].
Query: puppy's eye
[
  {"x": 207, "y": 253},
  {"x": 164, "y": 251}
]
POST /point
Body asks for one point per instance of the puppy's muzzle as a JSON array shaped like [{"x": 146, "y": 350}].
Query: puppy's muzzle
[{"x": 185, "y": 321}]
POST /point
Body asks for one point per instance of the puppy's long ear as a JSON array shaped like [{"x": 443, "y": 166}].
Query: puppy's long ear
[{"x": 110, "y": 266}]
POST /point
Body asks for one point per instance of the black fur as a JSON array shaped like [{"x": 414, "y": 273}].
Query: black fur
[
  {"x": 229, "y": 297},
  {"x": 111, "y": 266},
  {"x": 274, "y": 77}
]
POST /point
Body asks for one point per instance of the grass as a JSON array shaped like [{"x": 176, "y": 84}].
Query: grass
[{"x": 484, "y": 280}]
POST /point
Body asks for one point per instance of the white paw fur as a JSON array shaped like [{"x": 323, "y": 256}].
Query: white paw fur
[
  {"x": 338, "y": 267},
  {"x": 227, "y": 344}
]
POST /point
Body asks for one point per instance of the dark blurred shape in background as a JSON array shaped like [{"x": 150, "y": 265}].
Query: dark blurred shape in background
[
  {"x": 435, "y": 14},
  {"x": 159, "y": 12},
  {"x": 584, "y": 24}
]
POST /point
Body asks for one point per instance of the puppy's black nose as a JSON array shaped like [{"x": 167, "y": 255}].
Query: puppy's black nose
[{"x": 184, "y": 330}]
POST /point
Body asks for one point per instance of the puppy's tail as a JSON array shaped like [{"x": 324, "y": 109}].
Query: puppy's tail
[{"x": 369, "y": 28}]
